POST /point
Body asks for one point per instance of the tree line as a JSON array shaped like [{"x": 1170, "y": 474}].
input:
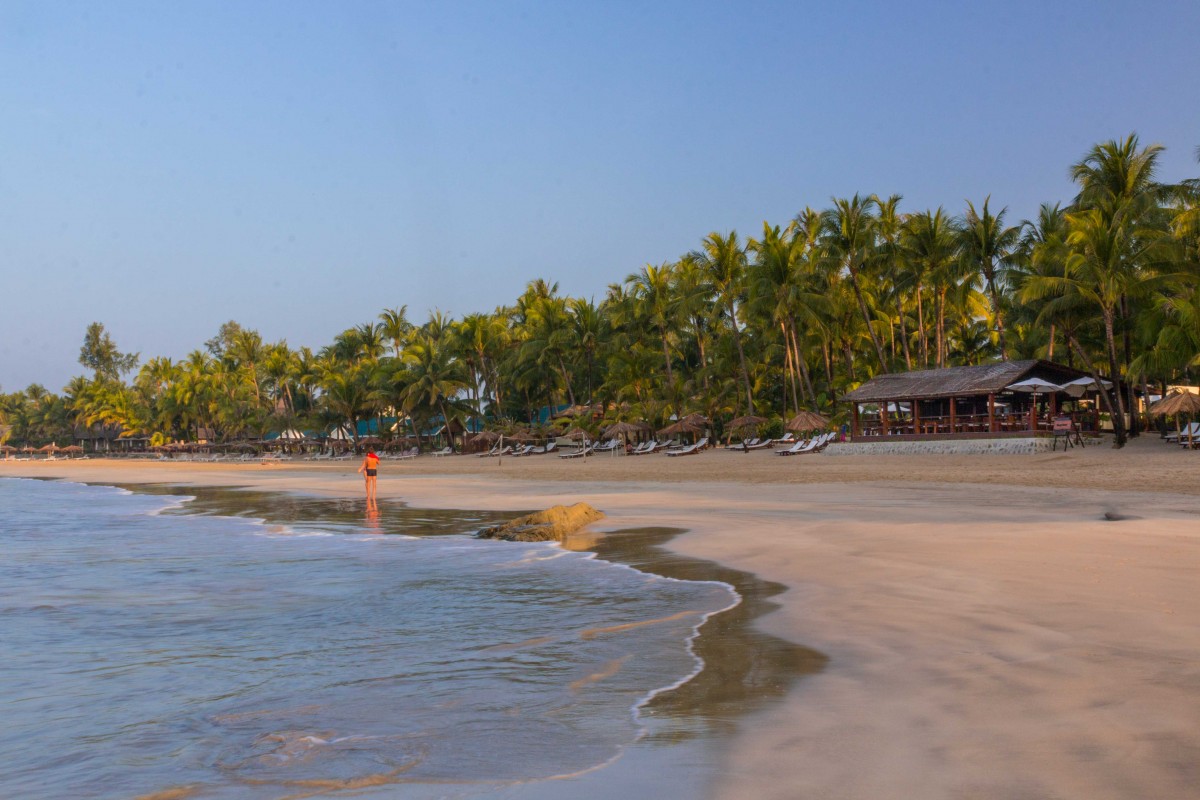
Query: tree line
[{"x": 791, "y": 318}]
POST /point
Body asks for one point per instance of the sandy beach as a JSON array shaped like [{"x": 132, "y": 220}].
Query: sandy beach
[{"x": 996, "y": 626}]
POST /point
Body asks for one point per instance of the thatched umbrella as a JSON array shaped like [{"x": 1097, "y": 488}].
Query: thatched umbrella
[
  {"x": 72, "y": 448},
  {"x": 807, "y": 421},
  {"x": 576, "y": 433},
  {"x": 487, "y": 437},
  {"x": 1177, "y": 403},
  {"x": 682, "y": 426},
  {"x": 4, "y": 448},
  {"x": 625, "y": 429},
  {"x": 698, "y": 420},
  {"x": 749, "y": 421},
  {"x": 50, "y": 448},
  {"x": 29, "y": 449}
]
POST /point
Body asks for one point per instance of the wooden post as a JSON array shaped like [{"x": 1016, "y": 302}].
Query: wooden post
[
  {"x": 1033, "y": 412},
  {"x": 883, "y": 418},
  {"x": 1053, "y": 406},
  {"x": 953, "y": 420},
  {"x": 992, "y": 412},
  {"x": 854, "y": 429},
  {"x": 916, "y": 415}
]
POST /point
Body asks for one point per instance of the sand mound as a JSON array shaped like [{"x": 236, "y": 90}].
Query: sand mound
[{"x": 552, "y": 525}]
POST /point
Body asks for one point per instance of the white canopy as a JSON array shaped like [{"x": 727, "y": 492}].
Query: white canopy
[
  {"x": 1035, "y": 386},
  {"x": 1077, "y": 387},
  {"x": 292, "y": 435},
  {"x": 342, "y": 432}
]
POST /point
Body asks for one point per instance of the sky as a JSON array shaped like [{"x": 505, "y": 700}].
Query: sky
[{"x": 299, "y": 167}]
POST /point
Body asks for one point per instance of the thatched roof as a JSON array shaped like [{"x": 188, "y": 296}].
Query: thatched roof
[{"x": 958, "y": 381}]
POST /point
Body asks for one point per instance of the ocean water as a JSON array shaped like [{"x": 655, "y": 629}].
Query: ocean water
[{"x": 147, "y": 652}]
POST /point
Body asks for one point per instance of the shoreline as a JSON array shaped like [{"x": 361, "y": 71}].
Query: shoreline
[{"x": 992, "y": 641}]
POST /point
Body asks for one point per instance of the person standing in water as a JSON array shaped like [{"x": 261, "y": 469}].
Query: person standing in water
[{"x": 370, "y": 470}]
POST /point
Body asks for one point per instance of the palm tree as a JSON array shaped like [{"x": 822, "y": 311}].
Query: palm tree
[
  {"x": 723, "y": 260},
  {"x": 652, "y": 288},
  {"x": 987, "y": 247},
  {"x": 930, "y": 243},
  {"x": 849, "y": 239},
  {"x": 396, "y": 327}
]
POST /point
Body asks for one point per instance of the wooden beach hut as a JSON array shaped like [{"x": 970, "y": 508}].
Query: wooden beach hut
[{"x": 977, "y": 401}]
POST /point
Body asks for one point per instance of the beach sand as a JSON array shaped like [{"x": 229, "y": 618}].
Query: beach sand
[{"x": 996, "y": 626}]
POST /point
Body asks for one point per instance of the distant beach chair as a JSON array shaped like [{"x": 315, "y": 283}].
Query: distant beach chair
[
  {"x": 690, "y": 450},
  {"x": 813, "y": 445},
  {"x": 586, "y": 450},
  {"x": 445, "y": 451}
]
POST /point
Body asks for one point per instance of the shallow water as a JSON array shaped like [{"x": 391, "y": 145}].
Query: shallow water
[{"x": 319, "y": 652}]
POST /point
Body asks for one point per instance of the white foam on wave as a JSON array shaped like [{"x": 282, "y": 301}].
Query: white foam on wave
[{"x": 689, "y": 642}]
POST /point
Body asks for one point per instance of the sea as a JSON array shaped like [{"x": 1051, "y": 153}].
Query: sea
[{"x": 172, "y": 645}]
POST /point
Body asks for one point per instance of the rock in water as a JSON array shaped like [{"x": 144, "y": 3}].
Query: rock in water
[{"x": 552, "y": 525}]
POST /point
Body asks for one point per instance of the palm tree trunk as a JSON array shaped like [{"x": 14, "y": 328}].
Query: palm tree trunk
[
  {"x": 667, "y": 357},
  {"x": 939, "y": 318},
  {"x": 737, "y": 339},
  {"x": 921, "y": 330},
  {"x": 790, "y": 368},
  {"x": 995, "y": 296},
  {"x": 903, "y": 332},
  {"x": 1119, "y": 416},
  {"x": 1050, "y": 350},
  {"x": 812, "y": 395},
  {"x": 866, "y": 315}
]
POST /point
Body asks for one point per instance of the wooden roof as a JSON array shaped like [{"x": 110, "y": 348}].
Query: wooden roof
[{"x": 958, "y": 381}]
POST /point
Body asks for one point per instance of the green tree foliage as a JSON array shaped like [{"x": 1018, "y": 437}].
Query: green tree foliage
[{"x": 791, "y": 319}]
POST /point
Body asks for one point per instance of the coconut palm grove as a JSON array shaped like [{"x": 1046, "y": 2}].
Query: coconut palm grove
[{"x": 788, "y": 318}]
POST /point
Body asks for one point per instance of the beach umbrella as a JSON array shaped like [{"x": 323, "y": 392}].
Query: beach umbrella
[
  {"x": 699, "y": 420},
  {"x": 4, "y": 448},
  {"x": 807, "y": 421},
  {"x": 73, "y": 448},
  {"x": 50, "y": 448},
  {"x": 1079, "y": 386},
  {"x": 576, "y": 433},
  {"x": 682, "y": 426},
  {"x": 487, "y": 437},
  {"x": 625, "y": 429},
  {"x": 1177, "y": 403},
  {"x": 749, "y": 421},
  {"x": 1034, "y": 386}
]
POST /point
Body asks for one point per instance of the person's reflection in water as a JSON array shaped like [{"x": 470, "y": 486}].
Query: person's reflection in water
[{"x": 373, "y": 519}]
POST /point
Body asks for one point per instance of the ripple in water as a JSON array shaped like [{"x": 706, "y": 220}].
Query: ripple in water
[{"x": 228, "y": 658}]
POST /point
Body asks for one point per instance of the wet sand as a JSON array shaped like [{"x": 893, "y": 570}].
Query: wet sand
[{"x": 992, "y": 631}]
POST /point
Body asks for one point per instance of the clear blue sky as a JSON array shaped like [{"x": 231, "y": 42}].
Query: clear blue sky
[{"x": 165, "y": 167}]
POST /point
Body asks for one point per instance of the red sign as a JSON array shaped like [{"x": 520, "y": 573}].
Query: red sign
[{"x": 1062, "y": 425}]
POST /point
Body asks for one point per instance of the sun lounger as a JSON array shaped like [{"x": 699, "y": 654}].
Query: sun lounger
[
  {"x": 811, "y": 446},
  {"x": 690, "y": 450},
  {"x": 586, "y": 450},
  {"x": 742, "y": 445},
  {"x": 1190, "y": 430}
]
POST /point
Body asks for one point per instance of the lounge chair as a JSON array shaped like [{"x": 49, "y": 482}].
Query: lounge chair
[
  {"x": 412, "y": 452},
  {"x": 586, "y": 450},
  {"x": 742, "y": 445},
  {"x": 690, "y": 449},
  {"x": 607, "y": 447},
  {"x": 1192, "y": 429},
  {"x": 787, "y": 439},
  {"x": 813, "y": 445}
]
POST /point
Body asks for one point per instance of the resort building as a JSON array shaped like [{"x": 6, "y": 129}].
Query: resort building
[{"x": 1004, "y": 399}]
